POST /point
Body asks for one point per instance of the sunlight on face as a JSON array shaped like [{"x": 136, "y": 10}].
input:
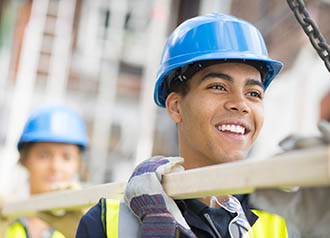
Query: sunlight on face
[{"x": 221, "y": 115}]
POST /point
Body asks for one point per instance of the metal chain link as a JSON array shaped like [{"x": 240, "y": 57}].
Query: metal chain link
[{"x": 311, "y": 29}]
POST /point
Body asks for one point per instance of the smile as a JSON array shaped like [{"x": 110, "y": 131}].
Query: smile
[{"x": 237, "y": 129}]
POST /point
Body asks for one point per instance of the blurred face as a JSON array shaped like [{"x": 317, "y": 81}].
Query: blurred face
[
  {"x": 221, "y": 116},
  {"x": 50, "y": 164}
]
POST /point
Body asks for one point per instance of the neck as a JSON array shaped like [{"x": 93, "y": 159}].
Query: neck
[
  {"x": 207, "y": 200},
  {"x": 36, "y": 226},
  {"x": 194, "y": 160}
]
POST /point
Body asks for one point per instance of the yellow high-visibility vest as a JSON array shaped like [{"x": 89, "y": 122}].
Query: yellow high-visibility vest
[
  {"x": 17, "y": 230},
  {"x": 121, "y": 223},
  {"x": 269, "y": 225}
]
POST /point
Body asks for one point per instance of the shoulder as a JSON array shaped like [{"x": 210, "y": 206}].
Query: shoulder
[
  {"x": 91, "y": 223},
  {"x": 94, "y": 214}
]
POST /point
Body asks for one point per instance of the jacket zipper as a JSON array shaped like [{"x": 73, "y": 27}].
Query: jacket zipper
[{"x": 209, "y": 220}]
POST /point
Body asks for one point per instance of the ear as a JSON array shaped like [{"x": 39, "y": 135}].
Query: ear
[{"x": 173, "y": 107}]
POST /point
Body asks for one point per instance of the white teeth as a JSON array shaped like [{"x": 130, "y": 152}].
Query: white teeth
[
  {"x": 238, "y": 129},
  {"x": 232, "y": 128}
]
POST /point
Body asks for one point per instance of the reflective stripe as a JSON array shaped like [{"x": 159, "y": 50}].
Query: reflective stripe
[
  {"x": 120, "y": 221},
  {"x": 269, "y": 225},
  {"x": 103, "y": 202},
  {"x": 112, "y": 217}
]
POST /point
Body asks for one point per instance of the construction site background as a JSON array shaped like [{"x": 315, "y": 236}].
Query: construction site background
[{"x": 101, "y": 58}]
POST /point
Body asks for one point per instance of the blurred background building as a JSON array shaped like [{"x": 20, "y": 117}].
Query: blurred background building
[{"x": 101, "y": 58}]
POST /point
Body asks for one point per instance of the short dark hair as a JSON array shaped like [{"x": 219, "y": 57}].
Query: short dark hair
[{"x": 24, "y": 151}]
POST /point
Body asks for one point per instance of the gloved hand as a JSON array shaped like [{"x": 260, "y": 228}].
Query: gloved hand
[
  {"x": 293, "y": 142},
  {"x": 144, "y": 195},
  {"x": 67, "y": 224}
]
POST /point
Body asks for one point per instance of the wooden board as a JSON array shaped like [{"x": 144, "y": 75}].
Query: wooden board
[
  {"x": 66, "y": 199},
  {"x": 297, "y": 168},
  {"x": 309, "y": 167}
]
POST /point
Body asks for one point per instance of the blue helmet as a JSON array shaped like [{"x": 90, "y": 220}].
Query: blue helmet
[
  {"x": 212, "y": 38},
  {"x": 54, "y": 124}
]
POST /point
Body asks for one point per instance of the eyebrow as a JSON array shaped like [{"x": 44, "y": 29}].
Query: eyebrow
[
  {"x": 255, "y": 82},
  {"x": 230, "y": 79},
  {"x": 218, "y": 75}
]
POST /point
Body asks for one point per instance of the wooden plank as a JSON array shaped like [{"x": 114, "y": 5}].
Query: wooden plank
[
  {"x": 309, "y": 167},
  {"x": 65, "y": 199}
]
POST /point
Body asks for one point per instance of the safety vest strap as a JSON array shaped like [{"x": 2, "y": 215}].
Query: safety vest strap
[
  {"x": 119, "y": 220},
  {"x": 18, "y": 230},
  {"x": 112, "y": 218},
  {"x": 269, "y": 225},
  {"x": 57, "y": 234}
]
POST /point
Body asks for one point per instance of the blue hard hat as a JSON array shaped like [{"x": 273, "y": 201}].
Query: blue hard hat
[
  {"x": 209, "y": 38},
  {"x": 54, "y": 124}
]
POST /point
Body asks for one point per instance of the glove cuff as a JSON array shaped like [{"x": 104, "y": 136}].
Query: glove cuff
[
  {"x": 159, "y": 225},
  {"x": 148, "y": 204}
]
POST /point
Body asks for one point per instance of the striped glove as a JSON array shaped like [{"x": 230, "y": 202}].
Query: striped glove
[{"x": 144, "y": 195}]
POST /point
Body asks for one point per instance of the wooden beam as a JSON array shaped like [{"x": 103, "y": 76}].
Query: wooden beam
[
  {"x": 309, "y": 167},
  {"x": 65, "y": 199}
]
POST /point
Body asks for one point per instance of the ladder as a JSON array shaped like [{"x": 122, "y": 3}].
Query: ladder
[{"x": 45, "y": 53}]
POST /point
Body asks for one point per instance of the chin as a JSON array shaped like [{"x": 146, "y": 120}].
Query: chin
[{"x": 234, "y": 156}]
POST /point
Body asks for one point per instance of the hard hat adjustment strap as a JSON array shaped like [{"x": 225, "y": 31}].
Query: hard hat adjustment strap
[{"x": 186, "y": 72}]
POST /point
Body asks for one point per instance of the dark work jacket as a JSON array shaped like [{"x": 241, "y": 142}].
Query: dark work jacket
[{"x": 193, "y": 211}]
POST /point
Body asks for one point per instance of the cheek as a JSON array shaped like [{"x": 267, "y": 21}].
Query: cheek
[
  {"x": 37, "y": 175},
  {"x": 72, "y": 167},
  {"x": 259, "y": 117},
  {"x": 36, "y": 167},
  {"x": 193, "y": 115}
]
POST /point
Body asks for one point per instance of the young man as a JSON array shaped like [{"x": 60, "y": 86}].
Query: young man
[
  {"x": 50, "y": 149},
  {"x": 213, "y": 74}
]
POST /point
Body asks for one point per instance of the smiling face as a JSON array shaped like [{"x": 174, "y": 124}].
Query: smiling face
[
  {"x": 221, "y": 115},
  {"x": 49, "y": 164}
]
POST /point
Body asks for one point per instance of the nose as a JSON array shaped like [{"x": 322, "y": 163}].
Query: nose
[
  {"x": 237, "y": 103},
  {"x": 55, "y": 164}
]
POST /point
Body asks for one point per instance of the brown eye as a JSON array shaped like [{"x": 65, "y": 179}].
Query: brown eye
[
  {"x": 255, "y": 94},
  {"x": 67, "y": 157},
  {"x": 44, "y": 155},
  {"x": 217, "y": 87}
]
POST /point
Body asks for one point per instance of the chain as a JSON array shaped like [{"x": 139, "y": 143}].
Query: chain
[{"x": 311, "y": 29}]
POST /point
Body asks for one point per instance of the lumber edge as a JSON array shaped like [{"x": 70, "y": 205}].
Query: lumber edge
[{"x": 308, "y": 167}]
